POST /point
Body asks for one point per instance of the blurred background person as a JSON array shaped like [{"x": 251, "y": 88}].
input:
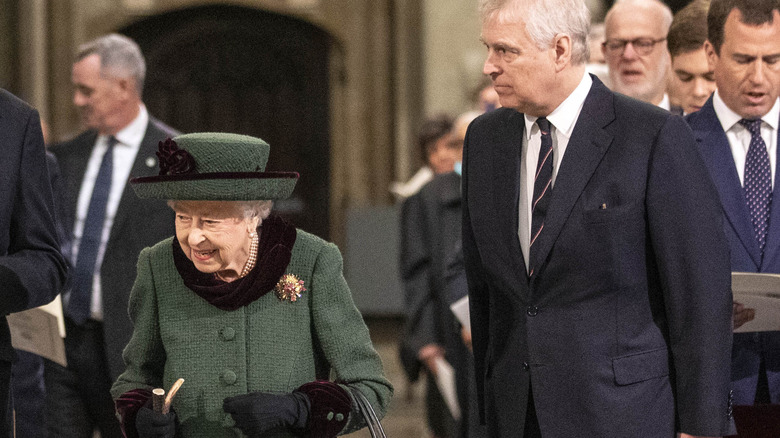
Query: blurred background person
[
  {"x": 430, "y": 223},
  {"x": 436, "y": 152},
  {"x": 692, "y": 79},
  {"x": 102, "y": 218},
  {"x": 635, "y": 49}
]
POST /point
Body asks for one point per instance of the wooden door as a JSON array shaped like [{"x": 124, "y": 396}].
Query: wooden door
[{"x": 242, "y": 70}]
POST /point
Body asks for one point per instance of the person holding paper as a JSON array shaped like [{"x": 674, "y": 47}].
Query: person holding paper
[
  {"x": 737, "y": 134},
  {"x": 32, "y": 268},
  {"x": 598, "y": 273}
]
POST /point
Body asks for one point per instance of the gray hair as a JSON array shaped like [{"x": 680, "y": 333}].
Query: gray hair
[
  {"x": 248, "y": 209},
  {"x": 120, "y": 57},
  {"x": 544, "y": 19}
]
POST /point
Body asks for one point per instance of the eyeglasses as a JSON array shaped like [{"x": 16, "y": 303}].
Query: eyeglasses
[{"x": 642, "y": 46}]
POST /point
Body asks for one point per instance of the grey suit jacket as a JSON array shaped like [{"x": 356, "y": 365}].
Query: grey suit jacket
[{"x": 137, "y": 225}]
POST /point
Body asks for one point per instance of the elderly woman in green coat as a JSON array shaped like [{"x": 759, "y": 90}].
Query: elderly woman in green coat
[{"x": 253, "y": 314}]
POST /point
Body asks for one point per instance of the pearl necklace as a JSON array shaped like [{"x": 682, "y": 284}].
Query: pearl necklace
[{"x": 250, "y": 263}]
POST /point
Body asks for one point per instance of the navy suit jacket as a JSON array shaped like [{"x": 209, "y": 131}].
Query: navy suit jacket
[
  {"x": 32, "y": 270},
  {"x": 138, "y": 223},
  {"x": 745, "y": 253},
  {"x": 624, "y": 329}
]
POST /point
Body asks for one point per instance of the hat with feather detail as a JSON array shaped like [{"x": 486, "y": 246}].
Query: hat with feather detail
[{"x": 214, "y": 166}]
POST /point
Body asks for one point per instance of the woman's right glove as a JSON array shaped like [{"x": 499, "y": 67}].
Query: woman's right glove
[{"x": 150, "y": 424}]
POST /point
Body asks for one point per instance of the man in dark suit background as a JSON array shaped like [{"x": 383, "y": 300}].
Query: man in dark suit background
[
  {"x": 110, "y": 226},
  {"x": 32, "y": 270},
  {"x": 737, "y": 134},
  {"x": 598, "y": 275}
]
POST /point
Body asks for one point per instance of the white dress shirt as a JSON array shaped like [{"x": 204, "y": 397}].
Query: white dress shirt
[
  {"x": 562, "y": 121},
  {"x": 739, "y": 136},
  {"x": 128, "y": 143}
]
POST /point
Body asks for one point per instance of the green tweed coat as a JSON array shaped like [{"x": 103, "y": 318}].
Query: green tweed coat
[{"x": 269, "y": 345}]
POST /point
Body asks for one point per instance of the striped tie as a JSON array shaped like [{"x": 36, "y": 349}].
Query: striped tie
[
  {"x": 542, "y": 184},
  {"x": 758, "y": 181}
]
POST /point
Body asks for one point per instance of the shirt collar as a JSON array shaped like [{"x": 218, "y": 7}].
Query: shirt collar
[
  {"x": 565, "y": 116},
  {"x": 729, "y": 118},
  {"x": 664, "y": 103},
  {"x": 132, "y": 134}
]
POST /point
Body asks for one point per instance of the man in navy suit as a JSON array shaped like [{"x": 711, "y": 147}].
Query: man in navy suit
[
  {"x": 108, "y": 77},
  {"x": 598, "y": 274},
  {"x": 32, "y": 269},
  {"x": 737, "y": 135}
]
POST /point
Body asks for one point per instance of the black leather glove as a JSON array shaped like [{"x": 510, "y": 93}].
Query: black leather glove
[
  {"x": 150, "y": 424},
  {"x": 258, "y": 412}
]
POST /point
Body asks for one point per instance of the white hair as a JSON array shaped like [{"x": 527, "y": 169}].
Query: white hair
[
  {"x": 248, "y": 209},
  {"x": 544, "y": 19},
  {"x": 120, "y": 57}
]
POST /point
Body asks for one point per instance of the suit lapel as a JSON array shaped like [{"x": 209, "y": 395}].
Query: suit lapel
[
  {"x": 714, "y": 145},
  {"x": 587, "y": 146},
  {"x": 506, "y": 147},
  {"x": 773, "y": 235},
  {"x": 78, "y": 167}
]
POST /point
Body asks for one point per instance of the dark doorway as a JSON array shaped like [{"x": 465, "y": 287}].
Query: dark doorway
[{"x": 247, "y": 71}]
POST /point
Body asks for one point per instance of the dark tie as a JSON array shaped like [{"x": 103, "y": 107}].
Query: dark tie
[
  {"x": 758, "y": 181},
  {"x": 81, "y": 288},
  {"x": 542, "y": 183}
]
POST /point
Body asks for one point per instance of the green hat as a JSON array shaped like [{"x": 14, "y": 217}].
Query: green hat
[{"x": 212, "y": 166}]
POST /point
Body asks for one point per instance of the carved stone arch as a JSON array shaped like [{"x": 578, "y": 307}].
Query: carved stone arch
[{"x": 237, "y": 69}]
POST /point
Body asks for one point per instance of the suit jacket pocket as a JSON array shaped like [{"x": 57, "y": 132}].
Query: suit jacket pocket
[
  {"x": 641, "y": 366},
  {"x": 607, "y": 213}
]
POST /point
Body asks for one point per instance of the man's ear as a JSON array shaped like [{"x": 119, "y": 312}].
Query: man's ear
[
  {"x": 712, "y": 55},
  {"x": 562, "y": 49}
]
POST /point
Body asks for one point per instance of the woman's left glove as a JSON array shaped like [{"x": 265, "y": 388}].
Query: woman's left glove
[
  {"x": 258, "y": 412},
  {"x": 150, "y": 424}
]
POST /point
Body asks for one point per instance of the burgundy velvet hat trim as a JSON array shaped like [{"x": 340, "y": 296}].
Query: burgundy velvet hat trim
[
  {"x": 213, "y": 176},
  {"x": 329, "y": 402},
  {"x": 277, "y": 238},
  {"x": 127, "y": 406}
]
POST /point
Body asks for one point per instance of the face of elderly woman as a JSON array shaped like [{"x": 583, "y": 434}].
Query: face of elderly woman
[{"x": 214, "y": 235}]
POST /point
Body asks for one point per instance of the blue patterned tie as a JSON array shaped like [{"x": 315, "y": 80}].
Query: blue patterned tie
[
  {"x": 542, "y": 183},
  {"x": 81, "y": 288},
  {"x": 758, "y": 181}
]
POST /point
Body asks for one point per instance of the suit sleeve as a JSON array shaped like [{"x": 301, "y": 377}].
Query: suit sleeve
[
  {"x": 686, "y": 232},
  {"x": 479, "y": 300},
  {"x": 32, "y": 270},
  {"x": 416, "y": 271}
]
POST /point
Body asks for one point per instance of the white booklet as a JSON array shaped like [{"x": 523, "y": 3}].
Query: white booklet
[
  {"x": 461, "y": 310},
  {"x": 40, "y": 331},
  {"x": 761, "y": 292},
  {"x": 445, "y": 381}
]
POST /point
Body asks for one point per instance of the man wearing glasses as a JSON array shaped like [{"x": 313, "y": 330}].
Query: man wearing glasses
[{"x": 635, "y": 49}]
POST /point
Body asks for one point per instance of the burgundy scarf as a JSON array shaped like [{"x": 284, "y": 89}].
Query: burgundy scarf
[{"x": 277, "y": 238}]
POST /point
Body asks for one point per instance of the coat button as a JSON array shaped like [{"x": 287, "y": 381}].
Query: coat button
[
  {"x": 526, "y": 366},
  {"x": 339, "y": 417},
  {"x": 532, "y": 310},
  {"x": 329, "y": 416},
  {"x": 227, "y": 333},
  {"x": 229, "y": 377}
]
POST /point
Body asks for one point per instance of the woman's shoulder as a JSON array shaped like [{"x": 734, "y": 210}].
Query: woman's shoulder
[
  {"x": 309, "y": 242},
  {"x": 163, "y": 248}
]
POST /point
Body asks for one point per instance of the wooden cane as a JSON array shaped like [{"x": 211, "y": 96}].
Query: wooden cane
[
  {"x": 169, "y": 398},
  {"x": 158, "y": 400}
]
